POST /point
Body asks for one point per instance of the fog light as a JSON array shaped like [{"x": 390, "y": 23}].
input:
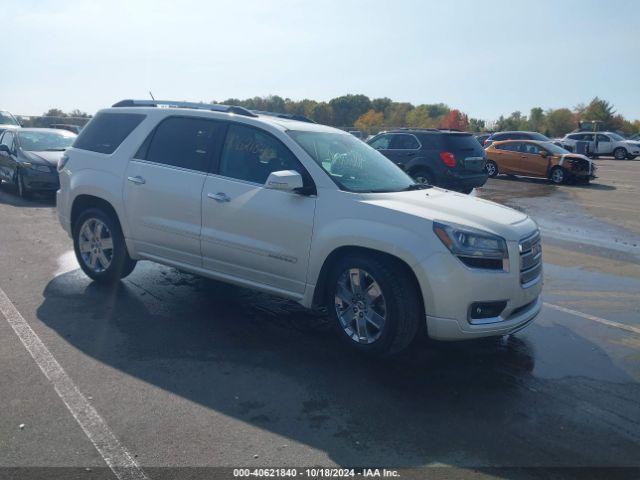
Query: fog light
[{"x": 483, "y": 310}]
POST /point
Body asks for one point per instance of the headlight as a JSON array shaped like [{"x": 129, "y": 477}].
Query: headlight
[{"x": 475, "y": 248}]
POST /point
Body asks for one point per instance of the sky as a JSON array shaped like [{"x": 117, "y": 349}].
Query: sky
[{"x": 487, "y": 58}]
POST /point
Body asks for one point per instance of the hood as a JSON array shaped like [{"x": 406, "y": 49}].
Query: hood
[
  {"x": 574, "y": 155},
  {"x": 44, "y": 158},
  {"x": 452, "y": 207}
]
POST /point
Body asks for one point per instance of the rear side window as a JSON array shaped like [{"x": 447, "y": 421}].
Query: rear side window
[
  {"x": 431, "y": 141},
  {"x": 381, "y": 143},
  {"x": 511, "y": 147},
  {"x": 185, "y": 142},
  {"x": 404, "y": 141},
  {"x": 250, "y": 154},
  {"x": 106, "y": 131},
  {"x": 463, "y": 142}
]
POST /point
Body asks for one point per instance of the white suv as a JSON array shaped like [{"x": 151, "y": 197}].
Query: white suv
[
  {"x": 299, "y": 210},
  {"x": 609, "y": 143}
]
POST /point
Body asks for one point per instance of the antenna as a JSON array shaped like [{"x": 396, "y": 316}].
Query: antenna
[{"x": 151, "y": 95}]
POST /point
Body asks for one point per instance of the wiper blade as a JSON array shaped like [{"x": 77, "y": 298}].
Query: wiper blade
[
  {"x": 55, "y": 149},
  {"x": 417, "y": 186}
]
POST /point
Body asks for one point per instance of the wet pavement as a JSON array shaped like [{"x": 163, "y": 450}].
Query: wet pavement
[{"x": 191, "y": 372}]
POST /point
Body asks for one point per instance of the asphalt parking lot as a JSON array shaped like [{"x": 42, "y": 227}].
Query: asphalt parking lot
[{"x": 186, "y": 372}]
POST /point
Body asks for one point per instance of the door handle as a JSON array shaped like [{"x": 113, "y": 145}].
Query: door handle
[
  {"x": 219, "y": 197},
  {"x": 138, "y": 180}
]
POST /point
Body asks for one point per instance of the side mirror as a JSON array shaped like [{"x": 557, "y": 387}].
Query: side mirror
[
  {"x": 543, "y": 154},
  {"x": 5, "y": 149},
  {"x": 284, "y": 180}
]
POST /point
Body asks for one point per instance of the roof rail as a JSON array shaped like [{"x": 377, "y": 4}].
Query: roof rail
[
  {"x": 288, "y": 116},
  {"x": 172, "y": 104}
]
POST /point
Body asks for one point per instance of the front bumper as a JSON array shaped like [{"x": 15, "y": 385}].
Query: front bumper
[
  {"x": 453, "y": 329},
  {"x": 449, "y": 288},
  {"x": 35, "y": 180}
]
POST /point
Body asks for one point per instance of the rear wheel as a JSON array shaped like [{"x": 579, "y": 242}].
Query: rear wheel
[
  {"x": 619, "y": 153},
  {"x": 100, "y": 247},
  {"x": 492, "y": 168},
  {"x": 557, "y": 175},
  {"x": 375, "y": 304},
  {"x": 423, "y": 176}
]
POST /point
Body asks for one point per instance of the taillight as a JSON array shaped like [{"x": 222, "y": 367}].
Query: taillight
[
  {"x": 448, "y": 158},
  {"x": 486, "y": 141}
]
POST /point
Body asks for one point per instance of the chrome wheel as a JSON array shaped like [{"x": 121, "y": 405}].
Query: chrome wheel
[
  {"x": 557, "y": 176},
  {"x": 96, "y": 245},
  {"x": 360, "y": 306},
  {"x": 422, "y": 180},
  {"x": 491, "y": 169},
  {"x": 620, "y": 154}
]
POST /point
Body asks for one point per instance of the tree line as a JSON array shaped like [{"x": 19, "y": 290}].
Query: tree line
[{"x": 373, "y": 115}]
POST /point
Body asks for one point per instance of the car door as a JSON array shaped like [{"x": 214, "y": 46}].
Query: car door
[
  {"x": 163, "y": 188},
  {"x": 532, "y": 163},
  {"x": 605, "y": 145},
  {"x": 403, "y": 148},
  {"x": 250, "y": 233},
  {"x": 7, "y": 162},
  {"x": 507, "y": 156}
]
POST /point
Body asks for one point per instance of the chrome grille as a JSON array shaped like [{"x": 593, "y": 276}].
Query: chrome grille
[{"x": 530, "y": 260}]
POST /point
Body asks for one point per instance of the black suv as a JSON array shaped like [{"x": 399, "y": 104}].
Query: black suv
[{"x": 445, "y": 158}]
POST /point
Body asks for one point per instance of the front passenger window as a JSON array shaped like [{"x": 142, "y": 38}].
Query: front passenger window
[{"x": 252, "y": 155}]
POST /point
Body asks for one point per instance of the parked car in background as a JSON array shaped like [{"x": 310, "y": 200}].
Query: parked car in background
[
  {"x": 357, "y": 134},
  {"x": 533, "y": 158},
  {"x": 67, "y": 126},
  {"x": 302, "y": 211},
  {"x": 608, "y": 143},
  {"x": 515, "y": 135},
  {"x": 481, "y": 137},
  {"x": 7, "y": 121},
  {"x": 445, "y": 158},
  {"x": 29, "y": 158}
]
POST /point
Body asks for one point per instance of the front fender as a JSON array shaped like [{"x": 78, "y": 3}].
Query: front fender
[{"x": 405, "y": 245}]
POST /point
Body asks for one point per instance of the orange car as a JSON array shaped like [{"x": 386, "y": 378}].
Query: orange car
[{"x": 533, "y": 158}]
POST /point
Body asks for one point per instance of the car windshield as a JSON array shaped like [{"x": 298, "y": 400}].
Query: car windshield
[
  {"x": 41, "y": 141},
  {"x": 352, "y": 164},
  {"x": 7, "y": 119},
  {"x": 616, "y": 137},
  {"x": 553, "y": 148}
]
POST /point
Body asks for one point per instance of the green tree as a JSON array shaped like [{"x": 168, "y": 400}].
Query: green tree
[
  {"x": 601, "y": 111},
  {"x": 559, "y": 122},
  {"x": 395, "y": 115},
  {"x": 370, "y": 122},
  {"x": 476, "y": 125},
  {"x": 347, "y": 108},
  {"x": 536, "y": 120},
  {"x": 381, "y": 104},
  {"x": 322, "y": 113}
]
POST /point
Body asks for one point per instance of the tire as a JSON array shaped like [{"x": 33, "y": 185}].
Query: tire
[
  {"x": 423, "y": 176},
  {"x": 491, "y": 168},
  {"x": 557, "y": 175},
  {"x": 114, "y": 263},
  {"x": 396, "y": 300},
  {"x": 620, "y": 153}
]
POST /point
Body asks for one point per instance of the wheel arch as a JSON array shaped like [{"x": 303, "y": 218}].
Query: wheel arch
[
  {"x": 84, "y": 202},
  {"x": 340, "y": 252}
]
